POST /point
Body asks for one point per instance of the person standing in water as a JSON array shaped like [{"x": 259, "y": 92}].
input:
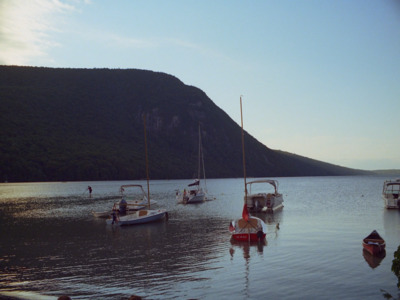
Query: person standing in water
[{"x": 90, "y": 190}]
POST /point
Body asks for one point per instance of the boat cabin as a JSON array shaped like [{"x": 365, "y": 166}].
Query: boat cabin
[{"x": 391, "y": 188}]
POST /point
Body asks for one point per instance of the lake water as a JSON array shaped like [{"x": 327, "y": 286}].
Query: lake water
[{"x": 50, "y": 244}]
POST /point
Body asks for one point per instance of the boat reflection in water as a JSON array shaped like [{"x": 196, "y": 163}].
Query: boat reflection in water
[
  {"x": 245, "y": 246},
  {"x": 373, "y": 260}
]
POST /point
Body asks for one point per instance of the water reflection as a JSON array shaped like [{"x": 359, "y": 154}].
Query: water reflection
[
  {"x": 244, "y": 250},
  {"x": 50, "y": 242},
  {"x": 246, "y": 246},
  {"x": 373, "y": 260},
  {"x": 391, "y": 222}
]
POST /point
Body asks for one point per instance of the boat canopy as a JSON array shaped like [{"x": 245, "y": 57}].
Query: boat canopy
[
  {"x": 123, "y": 187},
  {"x": 391, "y": 185},
  {"x": 272, "y": 182}
]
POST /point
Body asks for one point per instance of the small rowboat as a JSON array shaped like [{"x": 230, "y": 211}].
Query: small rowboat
[{"x": 374, "y": 243}]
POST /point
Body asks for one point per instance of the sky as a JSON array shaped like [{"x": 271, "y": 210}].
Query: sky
[{"x": 319, "y": 79}]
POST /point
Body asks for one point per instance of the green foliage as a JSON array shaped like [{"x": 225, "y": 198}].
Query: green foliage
[
  {"x": 396, "y": 265},
  {"x": 87, "y": 124}
]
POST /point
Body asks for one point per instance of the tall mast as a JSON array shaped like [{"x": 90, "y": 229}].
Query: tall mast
[
  {"x": 199, "y": 168},
  {"x": 147, "y": 162},
  {"x": 244, "y": 157}
]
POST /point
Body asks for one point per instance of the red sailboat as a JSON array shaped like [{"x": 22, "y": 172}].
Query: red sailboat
[{"x": 247, "y": 228}]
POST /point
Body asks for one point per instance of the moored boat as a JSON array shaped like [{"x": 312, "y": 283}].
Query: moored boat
[
  {"x": 257, "y": 200},
  {"x": 391, "y": 193},
  {"x": 195, "y": 193},
  {"x": 248, "y": 228},
  {"x": 138, "y": 217},
  {"x": 374, "y": 243}
]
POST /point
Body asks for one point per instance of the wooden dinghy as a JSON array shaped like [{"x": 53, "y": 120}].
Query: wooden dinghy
[{"x": 374, "y": 243}]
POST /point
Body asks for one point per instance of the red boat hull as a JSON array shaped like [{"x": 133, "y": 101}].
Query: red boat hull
[
  {"x": 246, "y": 237},
  {"x": 374, "y": 249}
]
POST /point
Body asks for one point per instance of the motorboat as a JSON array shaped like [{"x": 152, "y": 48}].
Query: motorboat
[
  {"x": 195, "y": 192},
  {"x": 259, "y": 201},
  {"x": 374, "y": 243},
  {"x": 391, "y": 193},
  {"x": 138, "y": 217}
]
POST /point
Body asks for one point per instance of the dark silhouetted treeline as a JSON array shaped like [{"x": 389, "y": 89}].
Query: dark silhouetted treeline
[{"x": 87, "y": 124}]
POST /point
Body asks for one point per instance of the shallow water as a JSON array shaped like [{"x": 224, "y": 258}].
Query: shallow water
[{"x": 50, "y": 244}]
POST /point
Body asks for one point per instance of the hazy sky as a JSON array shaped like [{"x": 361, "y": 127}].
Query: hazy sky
[{"x": 318, "y": 78}]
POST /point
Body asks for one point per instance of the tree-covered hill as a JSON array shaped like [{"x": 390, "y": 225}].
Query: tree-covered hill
[{"x": 87, "y": 124}]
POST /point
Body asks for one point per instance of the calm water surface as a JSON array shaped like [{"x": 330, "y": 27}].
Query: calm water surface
[{"x": 50, "y": 244}]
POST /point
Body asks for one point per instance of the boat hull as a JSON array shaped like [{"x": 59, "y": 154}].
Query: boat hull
[
  {"x": 139, "y": 217},
  {"x": 374, "y": 249},
  {"x": 390, "y": 202},
  {"x": 198, "y": 196},
  {"x": 252, "y": 229},
  {"x": 249, "y": 237}
]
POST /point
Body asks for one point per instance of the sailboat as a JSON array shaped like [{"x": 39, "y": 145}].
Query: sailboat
[
  {"x": 195, "y": 192},
  {"x": 143, "y": 215},
  {"x": 248, "y": 228}
]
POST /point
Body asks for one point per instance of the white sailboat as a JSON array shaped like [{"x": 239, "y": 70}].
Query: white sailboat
[
  {"x": 143, "y": 215},
  {"x": 195, "y": 193}
]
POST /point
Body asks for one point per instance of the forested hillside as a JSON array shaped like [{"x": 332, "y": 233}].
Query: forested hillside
[{"x": 87, "y": 124}]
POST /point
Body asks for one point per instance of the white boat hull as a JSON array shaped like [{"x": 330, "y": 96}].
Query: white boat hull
[
  {"x": 391, "y": 202},
  {"x": 197, "y": 197},
  {"x": 139, "y": 217}
]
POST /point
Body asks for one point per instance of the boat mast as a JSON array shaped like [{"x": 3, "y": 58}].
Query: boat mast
[
  {"x": 244, "y": 161},
  {"x": 199, "y": 167},
  {"x": 147, "y": 162},
  {"x": 202, "y": 162}
]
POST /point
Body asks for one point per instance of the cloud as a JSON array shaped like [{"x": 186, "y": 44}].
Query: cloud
[{"x": 25, "y": 27}]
